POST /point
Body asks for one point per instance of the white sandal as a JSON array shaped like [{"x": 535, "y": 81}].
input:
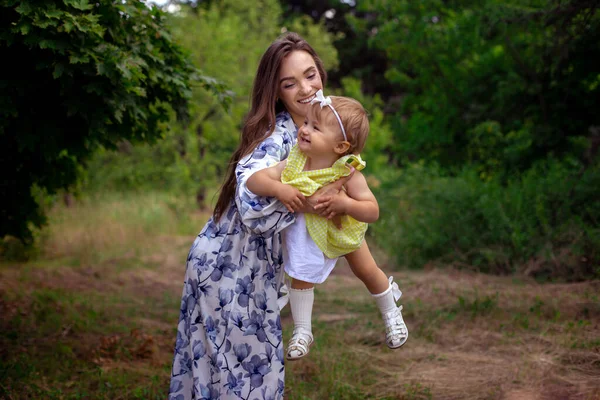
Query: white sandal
[
  {"x": 396, "y": 332},
  {"x": 299, "y": 344}
]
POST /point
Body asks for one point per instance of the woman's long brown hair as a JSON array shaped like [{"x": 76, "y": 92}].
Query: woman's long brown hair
[{"x": 260, "y": 121}]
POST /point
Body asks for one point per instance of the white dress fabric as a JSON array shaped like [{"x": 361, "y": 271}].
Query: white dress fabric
[
  {"x": 229, "y": 342},
  {"x": 302, "y": 258}
]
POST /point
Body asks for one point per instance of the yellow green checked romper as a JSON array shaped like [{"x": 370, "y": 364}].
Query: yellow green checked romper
[{"x": 333, "y": 242}]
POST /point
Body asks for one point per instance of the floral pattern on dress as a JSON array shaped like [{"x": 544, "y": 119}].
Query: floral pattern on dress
[{"x": 229, "y": 336}]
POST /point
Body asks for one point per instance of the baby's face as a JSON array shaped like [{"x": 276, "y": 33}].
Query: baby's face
[{"x": 319, "y": 136}]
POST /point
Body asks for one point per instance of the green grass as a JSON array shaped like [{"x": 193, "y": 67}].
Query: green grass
[
  {"x": 110, "y": 225},
  {"x": 70, "y": 344},
  {"x": 84, "y": 320}
]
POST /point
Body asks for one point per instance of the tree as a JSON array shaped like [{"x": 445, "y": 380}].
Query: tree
[
  {"x": 497, "y": 83},
  {"x": 227, "y": 39},
  {"x": 351, "y": 28},
  {"x": 80, "y": 74}
]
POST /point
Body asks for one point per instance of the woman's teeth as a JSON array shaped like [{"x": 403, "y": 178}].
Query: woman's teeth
[{"x": 307, "y": 100}]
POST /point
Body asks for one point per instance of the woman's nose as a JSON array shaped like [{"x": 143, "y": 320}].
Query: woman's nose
[{"x": 306, "y": 87}]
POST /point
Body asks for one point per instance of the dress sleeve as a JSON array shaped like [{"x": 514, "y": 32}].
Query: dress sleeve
[{"x": 262, "y": 214}]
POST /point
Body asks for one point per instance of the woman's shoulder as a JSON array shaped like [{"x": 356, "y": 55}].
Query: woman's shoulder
[
  {"x": 283, "y": 134},
  {"x": 283, "y": 117},
  {"x": 278, "y": 144},
  {"x": 284, "y": 125}
]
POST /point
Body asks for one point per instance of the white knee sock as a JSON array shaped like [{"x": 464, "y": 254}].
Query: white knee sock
[
  {"x": 301, "y": 303},
  {"x": 385, "y": 301}
]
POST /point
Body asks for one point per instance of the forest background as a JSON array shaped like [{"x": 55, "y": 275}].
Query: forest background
[
  {"x": 483, "y": 151},
  {"x": 484, "y": 123}
]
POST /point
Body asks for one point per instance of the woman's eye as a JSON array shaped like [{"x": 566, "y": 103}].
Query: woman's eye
[
  {"x": 311, "y": 76},
  {"x": 288, "y": 86}
]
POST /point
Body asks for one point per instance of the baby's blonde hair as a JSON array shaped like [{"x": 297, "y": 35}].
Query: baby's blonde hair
[{"x": 354, "y": 118}]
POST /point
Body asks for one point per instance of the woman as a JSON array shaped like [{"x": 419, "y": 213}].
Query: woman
[{"x": 229, "y": 342}]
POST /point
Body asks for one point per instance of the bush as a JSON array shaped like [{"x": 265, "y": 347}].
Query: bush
[{"x": 543, "y": 222}]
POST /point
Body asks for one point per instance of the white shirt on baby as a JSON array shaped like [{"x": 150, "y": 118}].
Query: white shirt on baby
[{"x": 302, "y": 258}]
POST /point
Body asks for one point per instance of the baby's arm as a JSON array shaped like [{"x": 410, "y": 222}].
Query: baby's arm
[
  {"x": 267, "y": 182},
  {"x": 360, "y": 203}
]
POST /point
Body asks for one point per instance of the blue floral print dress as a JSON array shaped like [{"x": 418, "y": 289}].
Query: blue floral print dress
[{"x": 229, "y": 342}]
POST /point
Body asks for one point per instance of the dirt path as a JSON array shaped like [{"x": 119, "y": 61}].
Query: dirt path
[{"x": 472, "y": 336}]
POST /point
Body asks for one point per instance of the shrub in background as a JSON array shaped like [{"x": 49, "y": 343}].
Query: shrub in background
[{"x": 543, "y": 222}]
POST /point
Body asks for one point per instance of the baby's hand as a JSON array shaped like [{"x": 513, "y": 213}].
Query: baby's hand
[
  {"x": 330, "y": 206},
  {"x": 290, "y": 197}
]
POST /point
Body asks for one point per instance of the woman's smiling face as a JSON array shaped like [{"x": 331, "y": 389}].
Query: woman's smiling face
[{"x": 299, "y": 80}]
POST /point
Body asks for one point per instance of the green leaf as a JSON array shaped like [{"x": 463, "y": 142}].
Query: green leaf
[
  {"x": 79, "y": 58},
  {"x": 25, "y": 28},
  {"x": 24, "y": 8},
  {"x": 54, "y": 13},
  {"x": 68, "y": 25},
  {"x": 82, "y": 5},
  {"x": 59, "y": 68}
]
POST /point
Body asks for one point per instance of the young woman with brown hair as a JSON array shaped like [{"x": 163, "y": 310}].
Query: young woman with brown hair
[{"x": 229, "y": 341}]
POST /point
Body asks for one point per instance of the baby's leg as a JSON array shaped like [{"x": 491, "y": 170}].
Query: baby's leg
[
  {"x": 301, "y": 285},
  {"x": 302, "y": 295},
  {"x": 365, "y": 268},
  {"x": 383, "y": 291}
]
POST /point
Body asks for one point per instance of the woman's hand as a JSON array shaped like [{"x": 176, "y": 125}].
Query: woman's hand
[
  {"x": 332, "y": 205},
  {"x": 307, "y": 206},
  {"x": 330, "y": 189}
]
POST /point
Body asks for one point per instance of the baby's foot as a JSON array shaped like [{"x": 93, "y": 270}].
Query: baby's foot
[
  {"x": 396, "y": 332},
  {"x": 299, "y": 345}
]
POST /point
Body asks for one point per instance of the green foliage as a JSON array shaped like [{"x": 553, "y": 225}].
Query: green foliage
[
  {"x": 377, "y": 149},
  {"x": 227, "y": 40},
  {"x": 513, "y": 78},
  {"x": 492, "y": 108},
  {"x": 79, "y": 74},
  {"x": 541, "y": 222},
  {"x": 319, "y": 39},
  {"x": 484, "y": 124}
]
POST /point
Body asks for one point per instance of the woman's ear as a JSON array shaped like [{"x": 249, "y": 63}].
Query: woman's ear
[{"x": 342, "y": 148}]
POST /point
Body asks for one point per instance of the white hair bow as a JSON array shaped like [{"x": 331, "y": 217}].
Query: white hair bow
[
  {"x": 319, "y": 98},
  {"x": 326, "y": 101}
]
